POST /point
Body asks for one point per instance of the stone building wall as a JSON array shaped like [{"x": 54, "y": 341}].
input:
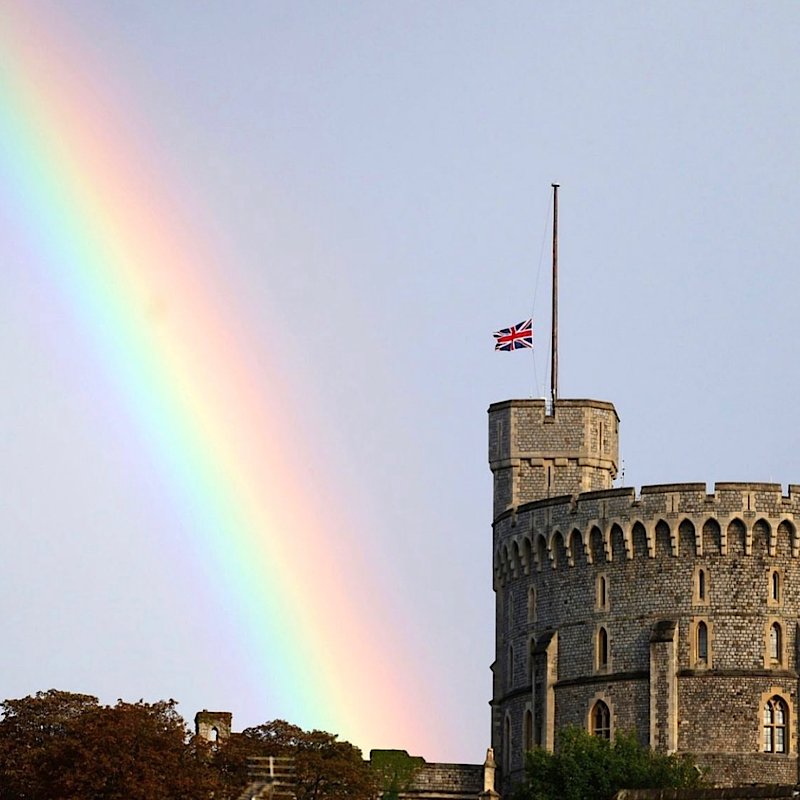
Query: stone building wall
[
  {"x": 422, "y": 780},
  {"x": 437, "y": 781},
  {"x": 649, "y": 549}
]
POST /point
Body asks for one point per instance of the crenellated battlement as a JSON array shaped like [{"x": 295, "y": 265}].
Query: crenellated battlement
[{"x": 624, "y": 524}]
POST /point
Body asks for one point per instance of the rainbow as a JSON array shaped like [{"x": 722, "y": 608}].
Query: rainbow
[{"x": 97, "y": 216}]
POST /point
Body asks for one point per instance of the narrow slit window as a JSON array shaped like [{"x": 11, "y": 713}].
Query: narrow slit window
[
  {"x": 602, "y": 648},
  {"x": 528, "y": 730},
  {"x": 701, "y": 585},
  {"x": 702, "y": 642},
  {"x": 775, "y": 642}
]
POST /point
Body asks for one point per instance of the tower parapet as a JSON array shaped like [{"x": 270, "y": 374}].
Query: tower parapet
[{"x": 534, "y": 455}]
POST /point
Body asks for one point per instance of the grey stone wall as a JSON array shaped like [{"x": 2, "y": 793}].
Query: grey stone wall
[
  {"x": 649, "y": 548},
  {"x": 440, "y": 781}
]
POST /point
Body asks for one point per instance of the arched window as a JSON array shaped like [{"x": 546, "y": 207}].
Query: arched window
[
  {"x": 528, "y": 730},
  {"x": 214, "y": 735},
  {"x": 776, "y": 724},
  {"x": 600, "y": 720},
  {"x": 532, "y": 604},
  {"x": 775, "y": 643},
  {"x": 702, "y": 642},
  {"x": 602, "y": 648}
]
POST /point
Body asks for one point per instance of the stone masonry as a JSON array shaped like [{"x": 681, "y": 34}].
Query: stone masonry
[{"x": 670, "y": 612}]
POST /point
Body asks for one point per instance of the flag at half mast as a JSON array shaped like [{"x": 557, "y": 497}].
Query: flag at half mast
[{"x": 517, "y": 337}]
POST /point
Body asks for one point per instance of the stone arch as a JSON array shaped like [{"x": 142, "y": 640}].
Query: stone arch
[
  {"x": 509, "y": 611},
  {"x": 576, "y": 548},
  {"x": 541, "y": 552},
  {"x": 597, "y": 547},
  {"x": 687, "y": 539},
  {"x": 785, "y": 539},
  {"x": 570, "y": 560},
  {"x": 515, "y": 560},
  {"x": 737, "y": 537},
  {"x": 527, "y": 555},
  {"x": 619, "y": 549},
  {"x": 639, "y": 540},
  {"x": 558, "y": 550},
  {"x": 502, "y": 563},
  {"x": 762, "y": 543},
  {"x": 712, "y": 538},
  {"x": 663, "y": 539},
  {"x": 498, "y": 570}
]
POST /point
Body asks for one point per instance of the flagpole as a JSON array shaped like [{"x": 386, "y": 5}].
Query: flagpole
[{"x": 554, "y": 317}]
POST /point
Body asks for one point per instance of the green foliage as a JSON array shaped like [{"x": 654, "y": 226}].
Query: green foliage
[
  {"x": 395, "y": 771},
  {"x": 589, "y": 767}
]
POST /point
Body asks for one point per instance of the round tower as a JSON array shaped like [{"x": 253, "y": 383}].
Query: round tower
[{"x": 671, "y": 613}]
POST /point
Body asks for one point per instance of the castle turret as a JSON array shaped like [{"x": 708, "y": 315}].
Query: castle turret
[{"x": 534, "y": 454}]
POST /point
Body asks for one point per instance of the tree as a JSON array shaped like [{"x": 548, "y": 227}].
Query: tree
[
  {"x": 67, "y": 746},
  {"x": 395, "y": 771},
  {"x": 587, "y": 767},
  {"x": 326, "y": 768},
  {"x": 31, "y": 730}
]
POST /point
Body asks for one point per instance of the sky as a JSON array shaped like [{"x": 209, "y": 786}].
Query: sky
[{"x": 350, "y": 198}]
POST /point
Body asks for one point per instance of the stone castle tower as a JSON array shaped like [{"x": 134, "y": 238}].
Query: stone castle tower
[{"x": 670, "y": 612}]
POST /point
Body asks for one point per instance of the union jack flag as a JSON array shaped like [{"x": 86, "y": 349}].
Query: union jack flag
[{"x": 517, "y": 337}]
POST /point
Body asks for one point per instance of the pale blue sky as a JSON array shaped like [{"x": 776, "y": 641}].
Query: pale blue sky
[{"x": 379, "y": 175}]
